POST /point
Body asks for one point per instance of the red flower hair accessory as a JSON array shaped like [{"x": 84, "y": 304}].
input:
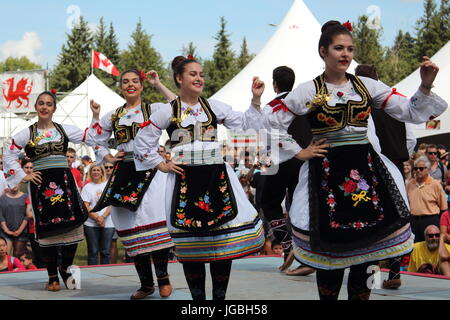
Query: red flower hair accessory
[
  {"x": 348, "y": 25},
  {"x": 190, "y": 57},
  {"x": 54, "y": 91},
  {"x": 142, "y": 75}
]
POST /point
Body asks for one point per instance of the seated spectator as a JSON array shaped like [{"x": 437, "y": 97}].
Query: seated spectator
[
  {"x": 445, "y": 239},
  {"x": 277, "y": 249},
  {"x": 13, "y": 220},
  {"x": 27, "y": 261},
  {"x": 301, "y": 270},
  {"x": 425, "y": 256},
  {"x": 8, "y": 263}
]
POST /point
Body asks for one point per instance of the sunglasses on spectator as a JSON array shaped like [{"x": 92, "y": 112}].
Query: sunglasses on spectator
[
  {"x": 419, "y": 168},
  {"x": 433, "y": 235},
  {"x": 109, "y": 167},
  {"x": 433, "y": 153}
]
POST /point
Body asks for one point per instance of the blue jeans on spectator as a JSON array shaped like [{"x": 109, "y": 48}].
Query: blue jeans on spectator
[{"x": 99, "y": 241}]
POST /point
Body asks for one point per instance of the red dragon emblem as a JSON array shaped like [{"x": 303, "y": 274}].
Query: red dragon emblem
[{"x": 20, "y": 94}]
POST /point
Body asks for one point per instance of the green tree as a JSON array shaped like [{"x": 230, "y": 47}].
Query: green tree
[
  {"x": 141, "y": 55},
  {"x": 74, "y": 61},
  {"x": 106, "y": 43},
  {"x": 429, "y": 35},
  {"x": 367, "y": 43},
  {"x": 400, "y": 60},
  {"x": 244, "y": 57},
  {"x": 17, "y": 64},
  {"x": 223, "y": 66}
]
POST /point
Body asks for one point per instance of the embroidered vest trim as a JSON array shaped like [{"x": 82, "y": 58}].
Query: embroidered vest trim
[
  {"x": 324, "y": 118},
  {"x": 123, "y": 133},
  {"x": 191, "y": 132},
  {"x": 38, "y": 151}
]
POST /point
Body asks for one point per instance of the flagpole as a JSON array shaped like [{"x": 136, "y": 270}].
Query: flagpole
[{"x": 92, "y": 61}]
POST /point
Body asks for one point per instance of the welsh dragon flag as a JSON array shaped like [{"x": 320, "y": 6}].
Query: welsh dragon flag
[{"x": 100, "y": 61}]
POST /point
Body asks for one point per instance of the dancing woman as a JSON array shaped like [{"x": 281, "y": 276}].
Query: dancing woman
[
  {"x": 209, "y": 216},
  {"x": 136, "y": 200},
  {"x": 350, "y": 207},
  {"x": 58, "y": 210}
]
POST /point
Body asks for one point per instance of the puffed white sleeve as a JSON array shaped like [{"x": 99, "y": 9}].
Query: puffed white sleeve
[
  {"x": 278, "y": 118},
  {"x": 417, "y": 109},
  {"x": 237, "y": 120},
  {"x": 12, "y": 170},
  {"x": 100, "y": 132},
  {"x": 411, "y": 139},
  {"x": 146, "y": 142}
]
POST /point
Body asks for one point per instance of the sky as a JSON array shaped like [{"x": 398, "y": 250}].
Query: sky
[{"x": 38, "y": 29}]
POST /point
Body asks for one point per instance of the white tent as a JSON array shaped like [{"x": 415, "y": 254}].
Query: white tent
[
  {"x": 74, "y": 108},
  {"x": 294, "y": 44},
  {"x": 410, "y": 84}
]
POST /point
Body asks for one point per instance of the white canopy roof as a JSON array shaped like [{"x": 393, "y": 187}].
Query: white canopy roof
[
  {"x": 294, "y": 44},
  {"x": 410, "y": 84}
]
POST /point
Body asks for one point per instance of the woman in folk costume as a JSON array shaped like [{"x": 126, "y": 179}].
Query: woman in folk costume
[
  {"x": 350, "y": 207},
  {"x": 135, "y": 197},
  {"x": 58, "y": 210},
  {"x": 209, "y": 216}
]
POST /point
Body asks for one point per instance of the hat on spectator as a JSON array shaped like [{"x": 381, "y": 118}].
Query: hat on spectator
[{"x": 86, "y": 158}]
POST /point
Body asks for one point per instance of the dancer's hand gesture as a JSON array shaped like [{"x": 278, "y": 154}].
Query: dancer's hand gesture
[
  {"x": 170, "y": 167},
  {"x": 152, "y": 77},
  {"x": 257, "y": 90},
  {"x": 315, "y": 149},
  {"x": 428, "y": 72},
  {"x": 95, "y": 108},
  {"x": 34, "y": 177}
]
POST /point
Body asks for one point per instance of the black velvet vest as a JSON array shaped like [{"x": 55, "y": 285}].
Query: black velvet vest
[
  {"x": 204, "y": 131},
  {"x": 324, "y": 118},
  {"x": 124, "y": 134},
  {"x": 35, "y": 151}
]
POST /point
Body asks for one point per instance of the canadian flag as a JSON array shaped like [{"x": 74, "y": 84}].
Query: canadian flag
[{"x": 100, "y": 61}]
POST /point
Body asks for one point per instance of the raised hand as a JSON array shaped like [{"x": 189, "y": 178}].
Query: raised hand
[
  {"x": 428, "y": 72},
  {"x": 152, "y": 77},
  {"x": 95, "y": 108},
  {"x": 257, "y": 87},
  {"x": 315, "y": 149}
]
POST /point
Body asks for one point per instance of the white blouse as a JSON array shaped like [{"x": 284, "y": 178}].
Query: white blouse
[
  {"x": 13, "y": 169},
  {"x": 417, "y": 109},
  {"x": 147, "y": 140},
  {"x": 102, "y": 136}
]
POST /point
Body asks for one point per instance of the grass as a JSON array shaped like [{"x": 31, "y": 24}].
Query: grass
[{"x": 82, "y": 253}]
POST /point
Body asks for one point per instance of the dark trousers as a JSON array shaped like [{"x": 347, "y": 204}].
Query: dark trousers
[
  {"x": 329, "y": 282},
  {"x": 143, "y": 265},
  {"x": 272, "y": 196},
  {"x": 195, "y": 273},
  {"x": 420, "y": 223},
  {"x": 99, "y": 241}
]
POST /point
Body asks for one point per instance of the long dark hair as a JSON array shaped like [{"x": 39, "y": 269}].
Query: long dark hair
[{"x": 330, "y": 30}]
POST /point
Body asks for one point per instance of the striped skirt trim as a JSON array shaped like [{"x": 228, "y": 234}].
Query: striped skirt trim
[
  {"x": 72, "y": 237},
  {"x": 397, "y": 245},
  {"x": 145, "y": 239},
  {"x": 233, "y": 245}
]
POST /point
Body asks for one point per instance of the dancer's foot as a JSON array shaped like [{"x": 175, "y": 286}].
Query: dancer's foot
[
  {"x": 142, "y": 292},
  {"x": 300, "y": 271},
  {"x": 53, "y": 284},
  {"x": 392, "y": 284},
  {"x": 164, "y": 286}
]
